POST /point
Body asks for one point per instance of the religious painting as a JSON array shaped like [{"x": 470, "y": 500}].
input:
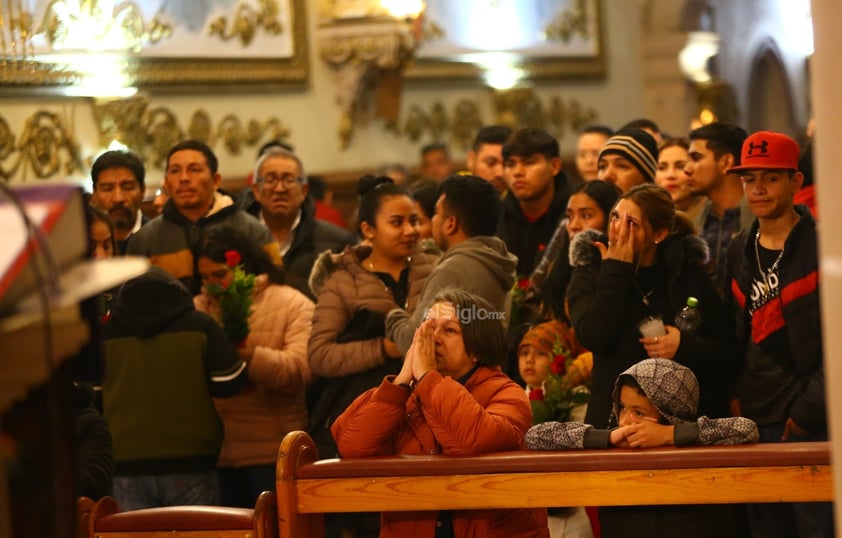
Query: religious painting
[
  {"x": 544, "y": 38},
  {"x": 152, "y": 43}
]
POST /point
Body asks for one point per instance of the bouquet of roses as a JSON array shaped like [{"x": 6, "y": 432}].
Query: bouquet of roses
[
  {"x": 235, "y": 299},
  {"x": 556, "y": 398}
]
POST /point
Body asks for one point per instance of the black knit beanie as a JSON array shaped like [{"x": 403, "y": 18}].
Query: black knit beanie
[{"x": 638, "y": 147}]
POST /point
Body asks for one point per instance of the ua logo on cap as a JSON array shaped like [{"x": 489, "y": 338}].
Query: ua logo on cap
[{"x": 762, "y": 146}]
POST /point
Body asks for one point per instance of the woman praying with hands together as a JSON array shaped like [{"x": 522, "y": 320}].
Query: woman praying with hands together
[{"x": 450, "y": 397}]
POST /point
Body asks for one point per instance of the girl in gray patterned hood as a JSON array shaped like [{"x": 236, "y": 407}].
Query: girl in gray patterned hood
[{"x": 655, "y": 404}]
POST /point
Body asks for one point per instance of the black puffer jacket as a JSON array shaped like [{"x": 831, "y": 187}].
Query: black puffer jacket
[
  {"x": 605, "y": 303},
  {"x": 799, "y": 285}
]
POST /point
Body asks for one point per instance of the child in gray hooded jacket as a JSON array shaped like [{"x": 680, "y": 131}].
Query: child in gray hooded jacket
[{"x": 655, "y": 404}]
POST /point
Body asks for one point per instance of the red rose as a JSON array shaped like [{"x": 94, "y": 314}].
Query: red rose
[
  {"x": 232, "y": 258},
  {"x": 523, "y": 283},
  {"x": 542, "y": 247},
  {"x": 559, "y": 365},
  {"x": 536, "y": 394}
]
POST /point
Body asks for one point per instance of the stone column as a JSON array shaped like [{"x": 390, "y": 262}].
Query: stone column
[{"x": 826, "y": 81}]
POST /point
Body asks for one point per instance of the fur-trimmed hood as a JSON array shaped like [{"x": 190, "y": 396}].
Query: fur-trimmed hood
[
  {"x": 329, "y": 262},
  {"x": 675, "y": 250}
]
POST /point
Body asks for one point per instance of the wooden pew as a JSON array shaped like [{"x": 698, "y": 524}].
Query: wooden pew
[
  {"x": 107, "y": 521},
  {"x": 307, "y": 488}
]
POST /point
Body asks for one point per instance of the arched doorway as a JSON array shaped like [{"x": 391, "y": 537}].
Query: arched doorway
[{"x": 770, "y": 105}]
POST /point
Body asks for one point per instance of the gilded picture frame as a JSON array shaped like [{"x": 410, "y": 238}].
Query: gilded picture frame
[
  {"x": 163, "y": 45},
  {"x": 547, "y": 39}
]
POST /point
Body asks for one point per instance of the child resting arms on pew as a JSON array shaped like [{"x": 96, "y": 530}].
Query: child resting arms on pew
[{"x": 655, "y": 404}]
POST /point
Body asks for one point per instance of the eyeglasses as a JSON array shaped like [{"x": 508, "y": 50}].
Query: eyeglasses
[{"x": 270, "y": 180}]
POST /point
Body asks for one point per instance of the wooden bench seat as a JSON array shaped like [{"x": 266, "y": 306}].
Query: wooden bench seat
[
  {"x": 106, "y": 521},
  {"x": 617, "y": 477}
]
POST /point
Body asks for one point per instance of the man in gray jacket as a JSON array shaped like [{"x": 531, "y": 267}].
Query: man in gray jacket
[{"x": 467, "y": 212}]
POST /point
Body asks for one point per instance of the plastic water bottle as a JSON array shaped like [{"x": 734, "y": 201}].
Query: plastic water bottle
[{"x": 689, "y": 319}]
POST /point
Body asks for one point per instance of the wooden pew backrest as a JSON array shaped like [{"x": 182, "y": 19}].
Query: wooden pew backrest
[{"x": 792, "y": 472}]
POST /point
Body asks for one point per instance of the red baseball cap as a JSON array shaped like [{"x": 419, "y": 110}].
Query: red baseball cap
[{"x": 768, "y": 150}]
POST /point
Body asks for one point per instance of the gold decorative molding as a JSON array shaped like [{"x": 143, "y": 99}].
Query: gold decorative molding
[
  {"x": 573, "y": 115},
  {"x": 359, "y": 51},
  {"x": 460, "y": 126},
  {"x": 23, "y": 71},
  {"x": 519, "y": 107},
  {"x": 246, "y": 22},
  {"x": 152, "y": 132},
  {"x": 68, "y": 23},
  {"x": 45, "y": 147},
  {"x": 516, "y": 108},
  {"x": 121, "y": 119},
  {"x": 569, "y": 23}
]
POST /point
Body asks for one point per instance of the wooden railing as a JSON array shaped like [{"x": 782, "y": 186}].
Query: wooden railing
[{"x": 307, "y": 488}]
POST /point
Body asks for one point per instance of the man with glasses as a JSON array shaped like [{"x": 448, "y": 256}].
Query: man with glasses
[
  {"x": 169, "y": 240},
  {"x": 280, "y": 191}
]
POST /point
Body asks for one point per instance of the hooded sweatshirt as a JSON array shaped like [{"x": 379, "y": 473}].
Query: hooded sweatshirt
[
  {"x": 674, "y": 391},
  {"x": 171, "y": 240},
  {"x": 163, "y": 362},
  {"x": 480, "y": 265}
]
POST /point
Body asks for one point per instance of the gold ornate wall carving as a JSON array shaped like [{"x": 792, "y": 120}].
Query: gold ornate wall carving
[
  {"x": 120, "y": 28},
  {"x": 155, "y": 130},
  {"x": 569, "y": 23},
  {"x": 152, "y": 131},
  {"x": 247, "y": 21},
  {"x": 48, "y": 148},
  {"x": 67, "y": 23},
  {"x": 44, "y": 148},
  {"x": 517, "y": 108}
]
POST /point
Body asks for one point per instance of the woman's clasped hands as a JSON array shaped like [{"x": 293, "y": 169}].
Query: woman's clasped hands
[{"x": 421, "y": 356}]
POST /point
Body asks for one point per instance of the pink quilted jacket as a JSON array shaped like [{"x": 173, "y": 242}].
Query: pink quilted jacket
[{"x": 272, "y": 404}]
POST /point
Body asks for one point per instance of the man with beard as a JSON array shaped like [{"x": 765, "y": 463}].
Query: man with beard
[
  {"x": 280, "y": 191},
  {"x": 194, "y": 206},
  {"x": 119, "y": 185}
]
